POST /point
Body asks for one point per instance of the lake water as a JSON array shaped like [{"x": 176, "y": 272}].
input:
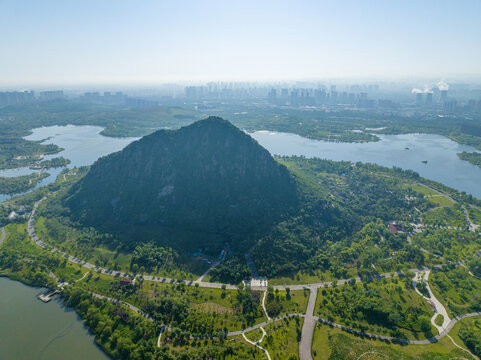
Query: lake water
[
  {"x": 443, "y": 165},
  {"x": 30, "y": 329},
  {"x": 82, "y": 146}
]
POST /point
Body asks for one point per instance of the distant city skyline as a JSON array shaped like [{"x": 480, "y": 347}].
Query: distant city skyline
[{"x": 148, "y": 42}]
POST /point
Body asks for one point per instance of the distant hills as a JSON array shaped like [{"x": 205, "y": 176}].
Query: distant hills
[{"x": 205, "y": 178}]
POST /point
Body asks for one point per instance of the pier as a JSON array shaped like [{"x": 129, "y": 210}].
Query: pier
[{"x": 48, "y": 295}]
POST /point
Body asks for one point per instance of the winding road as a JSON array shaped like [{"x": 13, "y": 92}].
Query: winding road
[{"x": 310, "y": 320}]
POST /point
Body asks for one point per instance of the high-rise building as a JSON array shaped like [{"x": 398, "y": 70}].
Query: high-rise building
[
  {"x": 334, "y": 96},
  {"x": 450, "y": 106},
  {"x": 352, "y": 98},
  {"x": 320, "y": 96},
  {"x": 272, "y": 95},
  {"x": 16, "y": 97},
  {"x": 444, "y": 94},
  {"x": 295, "y": 97},
  {"x": 51, "y": 95},
  {"x": 429, "y": 98},
  {"x": 419, "y": 98}
]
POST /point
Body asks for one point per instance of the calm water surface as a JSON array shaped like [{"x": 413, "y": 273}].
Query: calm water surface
[
  {"x": 82, "y": 146},
  {"x": 443, "y": 164},
  {"x": 30, "y": 329}
]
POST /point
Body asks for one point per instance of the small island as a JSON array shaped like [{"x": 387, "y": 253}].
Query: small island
[{"x": 473, "y": 157}]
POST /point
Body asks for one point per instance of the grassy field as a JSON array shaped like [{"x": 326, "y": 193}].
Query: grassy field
[
  {"x": 439, "y": 200},
  {"x": 295, "y": 303},
  {"x": 254, "y": 335},
  {"x": 457, "y": 290},
  {"x": 430, "y": 195},
  {"x": 439, "y": 319},
  {"x": 282, "y": 340},
  {"x": 421, "y": 189},
  {"x": 361, "y": 306},
  {"x": 309, "y": 277},
  {"x": 333, "y": 344}
]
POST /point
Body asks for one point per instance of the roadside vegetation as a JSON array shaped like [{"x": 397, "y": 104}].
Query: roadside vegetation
[{"x": 334, "y": 344}]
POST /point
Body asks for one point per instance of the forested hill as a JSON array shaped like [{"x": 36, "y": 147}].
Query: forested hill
[{"x": 209, "y": 177}]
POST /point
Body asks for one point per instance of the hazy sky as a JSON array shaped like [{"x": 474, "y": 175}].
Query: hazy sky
[{"x": 115, "y": 41}]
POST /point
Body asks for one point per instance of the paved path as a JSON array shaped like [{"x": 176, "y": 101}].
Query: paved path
[
  {"x": 256, "y": 344},
  {"x": 438, "y": 307},
  {"x": 2, "y": 236},
  {"x": 264, "y": 305},
  {"x": 130, "y": 306},
  {"x": 466, "y": 350},
  {"x": 262, "y": 324},
  {"x": 307, "y": 333}
]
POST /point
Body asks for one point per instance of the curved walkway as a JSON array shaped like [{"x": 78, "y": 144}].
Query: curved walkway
[
  {"x": 264, "y": 305},
  {"x": 439, "y": 308},
  {"x": 460, "y": 347},
  {"x": 130, "y": 306},
  {"x": 256, "y": 344}
]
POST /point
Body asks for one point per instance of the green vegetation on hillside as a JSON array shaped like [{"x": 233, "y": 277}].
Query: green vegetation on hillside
[
  {"x": 342, "y": 222},
  {"x": 446, "y": 216},
  {"x": 212, "y": 182}
]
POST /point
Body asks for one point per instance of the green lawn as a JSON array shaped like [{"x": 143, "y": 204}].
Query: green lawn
[
  {"x": 310, "y": 277},
  {"x": 421, "y": 189},
  {"x": 283, "y": 338},
  {"x": 439, "y": 200},
  {"x": 279, "y": 303}
]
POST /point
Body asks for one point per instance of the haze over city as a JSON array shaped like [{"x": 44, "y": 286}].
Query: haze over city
[{"x": 125, "y": 42}]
